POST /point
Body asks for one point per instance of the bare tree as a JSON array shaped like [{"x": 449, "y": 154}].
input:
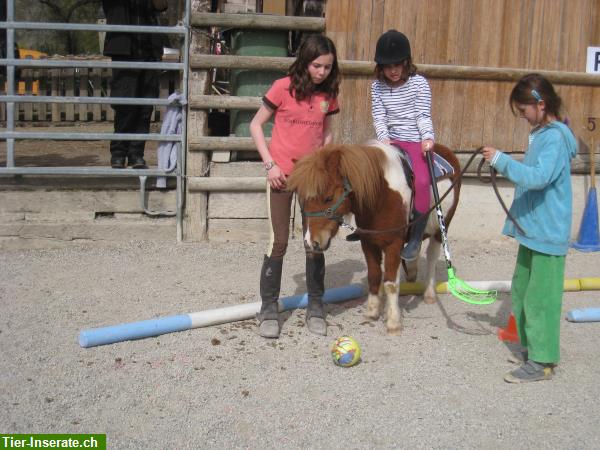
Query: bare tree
[{"x": 67, "y": 11}]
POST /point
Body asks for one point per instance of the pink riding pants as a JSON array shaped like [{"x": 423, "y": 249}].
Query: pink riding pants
[{"x": 421, "y": 171}]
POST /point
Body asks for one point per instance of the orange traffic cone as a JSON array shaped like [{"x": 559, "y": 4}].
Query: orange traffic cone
[{"x": 510, "y": 332}]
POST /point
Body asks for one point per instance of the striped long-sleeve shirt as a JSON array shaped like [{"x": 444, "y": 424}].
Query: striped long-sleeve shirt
[{"x": 403, "y": 112}]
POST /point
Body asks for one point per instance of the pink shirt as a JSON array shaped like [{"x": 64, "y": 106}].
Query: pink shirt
[{"x": 298, "y": 127}]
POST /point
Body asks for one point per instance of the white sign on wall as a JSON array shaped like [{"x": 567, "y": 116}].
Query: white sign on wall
[{"x": 593, "y": 60}]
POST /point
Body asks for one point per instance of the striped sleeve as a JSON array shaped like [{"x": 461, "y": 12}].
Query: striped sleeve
[
  {"x": 379, "y": 113},
  {"x": 423, "y": 109}
]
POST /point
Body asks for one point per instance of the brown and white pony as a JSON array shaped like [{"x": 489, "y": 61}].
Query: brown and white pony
[{"x": 369, "y": 182}]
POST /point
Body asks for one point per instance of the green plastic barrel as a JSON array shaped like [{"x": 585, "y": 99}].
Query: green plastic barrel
[{"x": 254, "y": 83}]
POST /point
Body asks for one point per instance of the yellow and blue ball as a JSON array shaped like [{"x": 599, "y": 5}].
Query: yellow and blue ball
[{"x": 345, "y": 351}]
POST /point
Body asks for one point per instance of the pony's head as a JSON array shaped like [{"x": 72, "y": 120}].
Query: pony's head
[{"x": 333, "y": 182}]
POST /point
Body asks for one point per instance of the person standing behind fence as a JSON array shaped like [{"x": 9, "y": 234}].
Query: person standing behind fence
[
  {"x": 543, "y": 208},
  {"x": 303, "y": 103},
  {"x": 140, "y": 83}
]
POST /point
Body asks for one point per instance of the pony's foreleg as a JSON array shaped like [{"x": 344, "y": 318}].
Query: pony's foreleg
[
  {"x": 391, "y": 283},
  {"x": 373, "y": 260},
  {"x": 433, "y": 254}
]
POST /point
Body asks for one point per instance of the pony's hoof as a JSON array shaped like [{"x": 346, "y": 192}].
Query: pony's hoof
[
  {"x": 372, "y": 314},
  {"x": 394, "y": 330},
  {"x": 430, "y": 299}
]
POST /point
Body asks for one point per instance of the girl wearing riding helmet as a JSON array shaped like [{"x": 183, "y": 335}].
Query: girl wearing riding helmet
[
  {"x": 303, "y": 103},
  {"x": 543, "y": 208},
  {"x": 401, "y": 109}
]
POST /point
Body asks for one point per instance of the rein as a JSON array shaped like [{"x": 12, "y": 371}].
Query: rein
[{"x": 329, "y": 213}]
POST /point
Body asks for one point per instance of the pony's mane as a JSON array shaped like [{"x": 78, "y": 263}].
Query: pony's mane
[{"x": 361, "y": 165}]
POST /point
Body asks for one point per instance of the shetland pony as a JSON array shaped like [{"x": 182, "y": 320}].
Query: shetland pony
[{"x": 369, "y": 182}]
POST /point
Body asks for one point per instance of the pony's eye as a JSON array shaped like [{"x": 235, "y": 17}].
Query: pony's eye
[{"x": 328, "y": 199}]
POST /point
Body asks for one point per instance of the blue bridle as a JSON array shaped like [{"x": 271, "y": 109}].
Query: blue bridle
[{"x": 329, "y": 213}]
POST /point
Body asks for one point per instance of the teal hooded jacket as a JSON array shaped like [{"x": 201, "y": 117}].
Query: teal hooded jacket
[{"x": 543, "y": 203}]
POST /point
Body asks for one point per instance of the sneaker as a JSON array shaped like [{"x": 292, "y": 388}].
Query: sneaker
[
  {"x": 518, "y": 358},
  {"x": 530, "y": 371}
]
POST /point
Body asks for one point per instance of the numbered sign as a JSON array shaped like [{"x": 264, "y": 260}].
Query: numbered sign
[{"x": 593, "y": 60}]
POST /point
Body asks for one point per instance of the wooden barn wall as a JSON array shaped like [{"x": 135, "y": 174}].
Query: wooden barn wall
[{"x": 528, "y": 34}]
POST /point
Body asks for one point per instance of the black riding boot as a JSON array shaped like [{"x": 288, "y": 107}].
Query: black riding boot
[
  {"x": 411, "y": 250},
  {"x": 315, "y": 284},
  {"x": 270, "y": 284}
]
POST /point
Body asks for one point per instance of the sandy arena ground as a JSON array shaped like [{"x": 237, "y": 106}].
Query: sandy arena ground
[{"x": 438, "y": 385}]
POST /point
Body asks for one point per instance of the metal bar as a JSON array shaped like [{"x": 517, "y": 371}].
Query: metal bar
[
  {"x": 10, "y": 81},
  {"x": 84, "y": 100},
  {"x": 90, "y": 64},
  {"x": 150, "y": 29},
  {"x": 85, "y": 171},
  {"x": 89, "y": 136},
  {"x": 181, "y": 157}
]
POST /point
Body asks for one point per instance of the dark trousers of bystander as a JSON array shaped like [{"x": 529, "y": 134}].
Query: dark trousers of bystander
[{"x": 139, "y": 83}]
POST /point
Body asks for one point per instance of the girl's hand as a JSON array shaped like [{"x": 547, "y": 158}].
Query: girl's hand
[
  {"x": 386, "y": 141},
  {"x": 427, "y": 145},
  {"x": 488, "y": 153},
  {"x": 276, "y": 178}
]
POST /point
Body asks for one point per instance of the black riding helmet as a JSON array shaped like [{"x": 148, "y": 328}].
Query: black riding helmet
[{"x": 392, "y": 48}]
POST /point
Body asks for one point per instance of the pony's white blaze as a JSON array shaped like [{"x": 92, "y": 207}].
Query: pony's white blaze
[
  {"x": 307, "y": 238},
  {"x": 393, "y": 171}
]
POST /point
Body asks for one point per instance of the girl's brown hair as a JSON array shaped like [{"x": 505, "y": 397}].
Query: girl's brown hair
[
  {"x": 409, "y": 70},
  {"x": 301, "y": 86},
  {"x": 533, "y": 88}
]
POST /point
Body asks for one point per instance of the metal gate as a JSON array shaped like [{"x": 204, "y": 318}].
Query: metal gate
[{"x": 10, "y": 99}]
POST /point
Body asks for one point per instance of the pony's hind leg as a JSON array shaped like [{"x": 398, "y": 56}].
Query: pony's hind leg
[
  {"x": 393, "y": 316},
  {"x": 373, "y": 260},
  {"x": 433, "y": 254}
]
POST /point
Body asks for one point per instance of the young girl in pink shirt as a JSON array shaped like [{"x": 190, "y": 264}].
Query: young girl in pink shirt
[{"x": 303, "y": 103}]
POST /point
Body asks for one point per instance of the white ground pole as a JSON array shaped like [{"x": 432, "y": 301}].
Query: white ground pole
[
  {"x": 155, "y": 327},
  {"x": 171, "y": 324}
]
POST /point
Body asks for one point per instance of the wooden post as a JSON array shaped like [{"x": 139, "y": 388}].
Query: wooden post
[
  {"x": 69, "y": 75},
  {"x": 109, "y": 113},
  {"x": 195, "y": 222},
  {"x": 55, "y": 83},
  {"x": 83, "y": 92},
  {"x": 28, "y": 107},
  {"x": 593, "y": 164}
]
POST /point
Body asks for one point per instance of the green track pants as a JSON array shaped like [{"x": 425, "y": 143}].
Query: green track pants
[{"x": 537, "y": 290}]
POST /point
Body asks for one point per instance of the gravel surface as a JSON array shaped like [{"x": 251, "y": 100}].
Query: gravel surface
[{"x": 438, "y": 385}]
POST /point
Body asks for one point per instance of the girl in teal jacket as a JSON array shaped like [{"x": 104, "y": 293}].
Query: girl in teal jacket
[{"x": 542, "y": 208}]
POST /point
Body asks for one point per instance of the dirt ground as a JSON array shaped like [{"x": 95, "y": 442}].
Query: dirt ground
[
  {"x": 437, "y": 386},
  {"x": 33, "y": 152}
]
